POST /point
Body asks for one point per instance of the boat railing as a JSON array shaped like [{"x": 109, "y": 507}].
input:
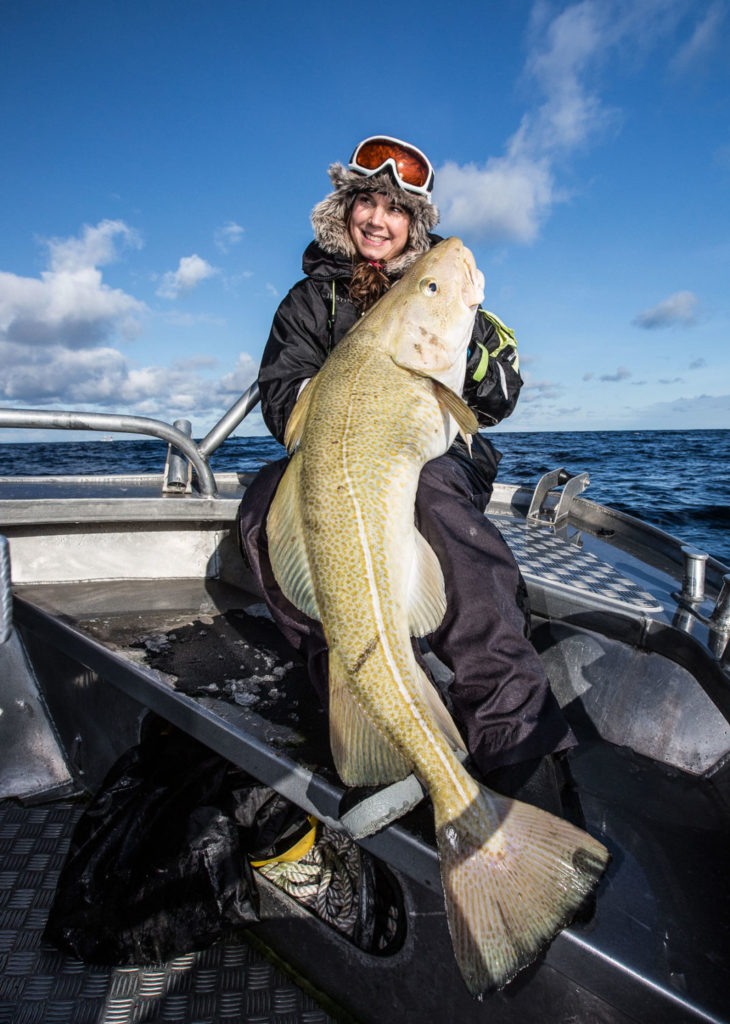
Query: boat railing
[
  {"x": 177, "y": 435},
  {"x": 6, "y": 597}
]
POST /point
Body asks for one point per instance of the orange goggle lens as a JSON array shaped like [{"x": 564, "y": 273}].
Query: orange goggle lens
[{"x": 412, "y": 167}]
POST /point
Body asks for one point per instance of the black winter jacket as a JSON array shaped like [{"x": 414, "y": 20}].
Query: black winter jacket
[{"x": 304, "y": 330}]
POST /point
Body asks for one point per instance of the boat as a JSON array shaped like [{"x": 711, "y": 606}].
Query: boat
[{"x": 101, "y": 577}]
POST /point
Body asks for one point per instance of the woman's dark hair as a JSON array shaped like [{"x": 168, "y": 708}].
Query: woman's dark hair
[{"x": 367, "y": 285}]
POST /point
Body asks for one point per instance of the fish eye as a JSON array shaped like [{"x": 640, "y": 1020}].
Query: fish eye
[{"x": 429, "y": 286}]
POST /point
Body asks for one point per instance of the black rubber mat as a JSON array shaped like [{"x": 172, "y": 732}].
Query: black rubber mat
[{"x": 230, "y": 982}]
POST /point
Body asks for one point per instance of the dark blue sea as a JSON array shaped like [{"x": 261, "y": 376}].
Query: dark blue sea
[{"x": 677, "y": 480}]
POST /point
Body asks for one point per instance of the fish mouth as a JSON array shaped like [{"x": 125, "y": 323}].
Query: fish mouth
[{"x": 473, "y": 288}]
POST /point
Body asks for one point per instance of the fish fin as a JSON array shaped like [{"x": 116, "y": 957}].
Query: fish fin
[
  {"x": 287, "y": 547},
  {"x": 513, "y": 877},
  {"x": 455, "y": 404},
  {"x": 427, "y": 605},
  {"x": 298, "y": 416},
  {"x": 439, "y": 712},
  {"x": 363, "y": 754}
]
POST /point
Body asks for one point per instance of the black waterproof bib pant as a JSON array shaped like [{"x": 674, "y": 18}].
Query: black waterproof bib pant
[{"x": 500, "y": 695}]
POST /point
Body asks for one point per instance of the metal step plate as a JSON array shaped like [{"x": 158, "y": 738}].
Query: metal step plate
[
  {"x": 556, "y": 563},
  {"x": 230, "y": 982}
]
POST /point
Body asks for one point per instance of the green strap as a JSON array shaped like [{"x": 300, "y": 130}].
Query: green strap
[
  {"x": 507, "y": 339},
  {"x": 480, "y": 371}
]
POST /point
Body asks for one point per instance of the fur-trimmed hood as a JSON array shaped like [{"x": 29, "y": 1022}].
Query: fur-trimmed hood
[{"x": 329, "y": 218}]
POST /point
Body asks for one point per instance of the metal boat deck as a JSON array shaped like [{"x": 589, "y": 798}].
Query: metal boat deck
[{"x": 127, "y": 603}]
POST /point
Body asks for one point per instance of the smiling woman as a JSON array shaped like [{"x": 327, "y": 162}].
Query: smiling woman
[{"x": 368, "y": 232}]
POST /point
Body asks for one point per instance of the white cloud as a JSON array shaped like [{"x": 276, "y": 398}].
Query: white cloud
[
  {"x": 69, "y": 303},
  {"x": 38, "y": 376},
  {"x": 676, "y": 311},
  {"x": 508, "y": 197},
  {"x": 228, "y": 235},
  {"x": 104, "y": 380},
  {"x": 240, "y": 379},
  {"x": 55, "y": 334},
  {"x": 701, "y": 42},
  {"x": 190, "y": 272}
]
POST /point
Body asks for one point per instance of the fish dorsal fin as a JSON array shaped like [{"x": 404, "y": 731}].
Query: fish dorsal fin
[
  {"x": 363, "y": 754},
  {"x": 287, "y": 548},
  {"x": 298, "y": 416},
  {"x": 455, "y": 404},
  {"x": 427, "y": 604}
]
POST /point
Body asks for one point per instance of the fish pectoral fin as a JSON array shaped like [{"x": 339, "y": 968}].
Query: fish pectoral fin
[
  {"x": 298, "y": 416},
  {"x": 287, "y": 548},
  {"x": 427, "y": 596},
  {"x": 513, "y": 877},
  {"x": 455, "y": 404},
  {"x": 363, "y": 754}
]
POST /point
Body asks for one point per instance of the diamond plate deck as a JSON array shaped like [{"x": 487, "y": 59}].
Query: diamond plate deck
[
  {"x": 545, "y": 558},
  {"x": 230, "y": 982}
]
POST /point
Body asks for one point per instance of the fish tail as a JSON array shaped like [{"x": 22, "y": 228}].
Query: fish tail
[{"x": 513, "y": 876}]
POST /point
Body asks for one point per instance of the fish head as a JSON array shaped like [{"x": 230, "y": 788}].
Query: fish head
[{"x": 428, "y": 316}]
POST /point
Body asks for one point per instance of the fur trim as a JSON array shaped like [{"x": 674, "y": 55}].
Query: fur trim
[{"x": 329, "y": 218}]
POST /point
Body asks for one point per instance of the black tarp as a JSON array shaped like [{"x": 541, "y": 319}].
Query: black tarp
[{"x": 159, "y": 860}]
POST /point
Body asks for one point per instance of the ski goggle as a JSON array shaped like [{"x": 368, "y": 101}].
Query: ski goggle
[{"x": 410, "y": 167}]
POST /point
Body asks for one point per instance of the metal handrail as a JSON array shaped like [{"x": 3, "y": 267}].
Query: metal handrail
[
  {"x": 198, "y": 454},
  {"x": 228, "y": 423}
]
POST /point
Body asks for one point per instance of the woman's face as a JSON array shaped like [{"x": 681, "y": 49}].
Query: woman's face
[{"x": 378, "y": 226}]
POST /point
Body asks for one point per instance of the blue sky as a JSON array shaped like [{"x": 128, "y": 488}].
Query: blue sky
[{"x": 161, "y": 158}]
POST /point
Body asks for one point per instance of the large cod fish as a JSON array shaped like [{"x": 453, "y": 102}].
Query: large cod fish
[{"x": 345, "y": 551}]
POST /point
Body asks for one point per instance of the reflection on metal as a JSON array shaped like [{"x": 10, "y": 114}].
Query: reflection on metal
[
  {"x": 693, "y": 579},
  {"x": 178, "y": 471},
  {"x": 717, "y": 642},
  {"x": 720, "y": 618},
  {"x": 6, "y": 598},
  {"x": 572, "y": 487},
  {"x": 684, "y": 619}
]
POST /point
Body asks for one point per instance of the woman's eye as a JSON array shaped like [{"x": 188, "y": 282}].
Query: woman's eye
[{"x": 429, "y": 286}]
